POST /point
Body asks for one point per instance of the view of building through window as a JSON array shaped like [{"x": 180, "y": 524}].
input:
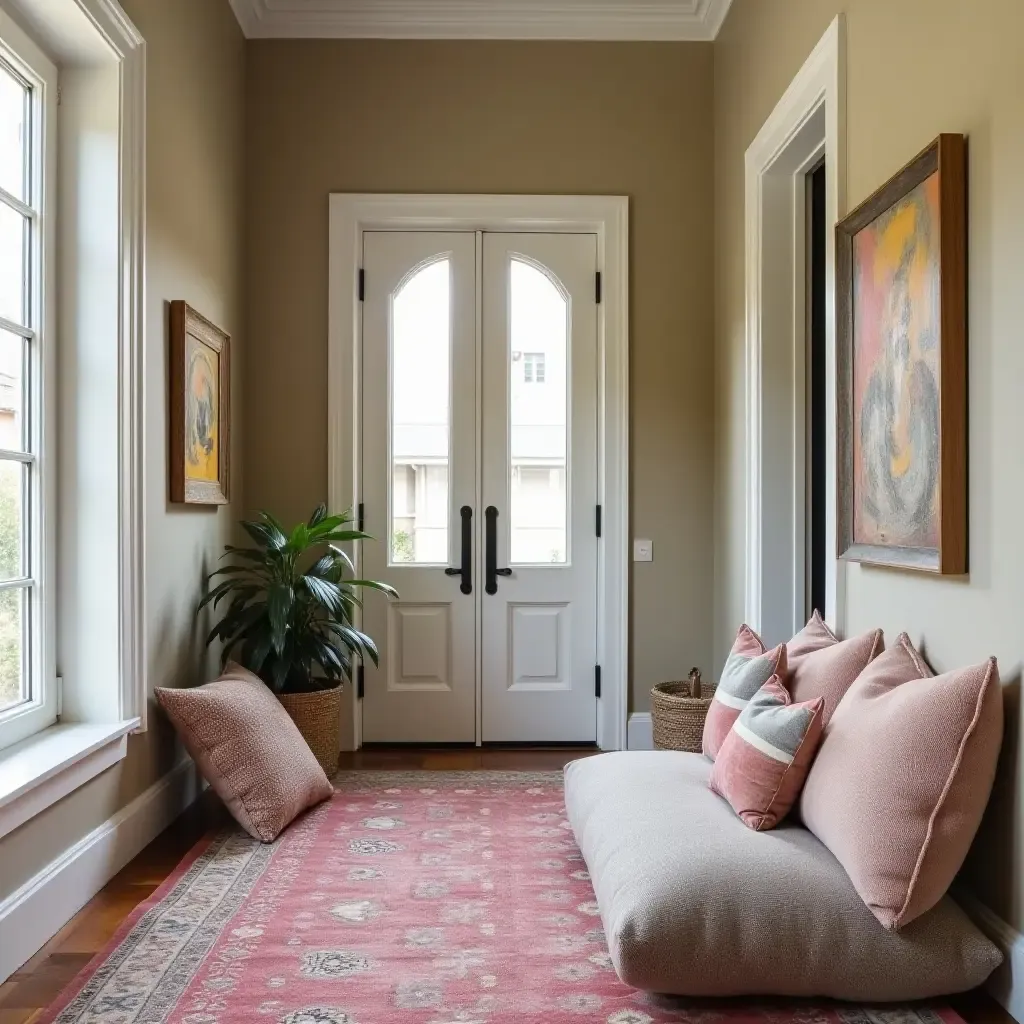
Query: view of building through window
[
  {"x": 421, "y": 417},
  {"x": 537, "y": 409}
]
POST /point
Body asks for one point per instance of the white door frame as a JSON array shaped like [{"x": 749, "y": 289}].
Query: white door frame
[
  {"x": 808, "y": 123},
  {"x": 608, "y": 218}
]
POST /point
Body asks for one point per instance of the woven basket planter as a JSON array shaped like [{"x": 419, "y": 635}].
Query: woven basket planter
[
  {"x": 318, "y": 717},
  {"x": 677, "y": 718}
]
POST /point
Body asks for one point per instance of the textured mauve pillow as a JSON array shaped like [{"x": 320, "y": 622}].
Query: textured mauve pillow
[
  {"x": 822, "y": 665},
  {"x": 746, "y": 670},
  {"x": 765, "y": 758},
  {"x": 248, "y": 749},
  {"x": 902, "y": 778},
  {"x": 815, "y": 636}
]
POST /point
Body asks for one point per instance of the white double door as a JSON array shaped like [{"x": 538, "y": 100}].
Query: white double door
[{"x": 479, "y": 483}]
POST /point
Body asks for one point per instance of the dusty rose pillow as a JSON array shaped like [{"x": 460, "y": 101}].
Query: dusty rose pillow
[
  {"x": 815, "y": 636},
  {"x": 764, "y": 760},
  {"x": 746, "y": 670},
  {"x": 822, "y": 665},
  {"x": 248, "y": 749},
  {"x": 902, "y": 778}
]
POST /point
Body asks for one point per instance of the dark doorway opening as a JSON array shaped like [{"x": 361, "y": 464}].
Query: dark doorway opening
[{"x": 816, "y": 423}]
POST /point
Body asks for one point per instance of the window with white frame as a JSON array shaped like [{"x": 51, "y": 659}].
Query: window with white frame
[
  {"x": 534, "y": 367},
  {"x": 28, "y": 87}
]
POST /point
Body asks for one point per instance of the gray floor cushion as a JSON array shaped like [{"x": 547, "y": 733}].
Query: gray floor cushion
[{"x": 695, "y": 903}]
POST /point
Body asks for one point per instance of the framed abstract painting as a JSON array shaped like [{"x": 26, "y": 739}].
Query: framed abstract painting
[
  {"x": 901, "y": 374},
  {"x": 200, "y": 409}
]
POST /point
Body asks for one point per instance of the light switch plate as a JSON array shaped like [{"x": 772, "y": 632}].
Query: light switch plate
[{"x": 643, "y": 550}]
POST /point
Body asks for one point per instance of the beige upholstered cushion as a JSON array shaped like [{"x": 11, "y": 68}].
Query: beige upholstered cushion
[
  {"x": 695, "y": 903},
  {"x": 248, "y": 749},
  {"x": 821, "y": 665},
  {"x": 903, "y": 776}
]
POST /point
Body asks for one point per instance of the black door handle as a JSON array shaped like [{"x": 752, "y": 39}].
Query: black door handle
[
  {"x": 466, "y": 570},
  {"x": 491, "y": 551}
]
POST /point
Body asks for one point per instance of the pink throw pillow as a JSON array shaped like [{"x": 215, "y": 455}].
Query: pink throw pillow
[
  {"x": 764, "y": 760},
  {"x": 746, "y": 670},
  {"x": 822, "y": 665},
  {"x": 903, "y": 776},
  {"x": 248, "y": 749},
  {"x": 815, "y": 636}
]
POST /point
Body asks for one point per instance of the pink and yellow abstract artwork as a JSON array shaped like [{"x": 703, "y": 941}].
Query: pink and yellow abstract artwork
[
  {"x": 896, "y": 367},
  {"x": 202, "y": 451},
  {"x": 199, "y": 414}
]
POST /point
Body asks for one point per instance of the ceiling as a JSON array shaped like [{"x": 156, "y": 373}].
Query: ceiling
[{"x": 481, "y": 19}]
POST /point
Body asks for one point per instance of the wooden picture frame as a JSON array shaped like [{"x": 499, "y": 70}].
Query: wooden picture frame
[
  {"x": 199, "y": 409},
  {"x": 901, "y": 374}
]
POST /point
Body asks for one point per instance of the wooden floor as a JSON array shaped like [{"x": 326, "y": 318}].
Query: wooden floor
[
  {"x": 32, "y": 988},
  {"x": 497, "y": 759}
]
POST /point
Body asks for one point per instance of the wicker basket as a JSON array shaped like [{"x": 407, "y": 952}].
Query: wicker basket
[
  {"x": 678, "y": 718},
  {"x": 318, "y": 716}
]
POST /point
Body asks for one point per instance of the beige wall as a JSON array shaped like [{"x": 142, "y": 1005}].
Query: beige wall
[
  {"x": 196, "y": 59},
  {"x": 622, "y": 118},
  {"x": 915, "y": 68}
]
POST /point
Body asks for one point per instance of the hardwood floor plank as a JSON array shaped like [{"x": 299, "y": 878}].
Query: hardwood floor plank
[{"x": 21, "y": 1016}]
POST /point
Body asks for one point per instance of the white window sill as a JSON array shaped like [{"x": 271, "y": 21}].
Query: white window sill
[{"x": 44, "y": 768}]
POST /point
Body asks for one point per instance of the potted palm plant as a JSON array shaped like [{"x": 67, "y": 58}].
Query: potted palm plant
[{"x": 291, "y": 601}]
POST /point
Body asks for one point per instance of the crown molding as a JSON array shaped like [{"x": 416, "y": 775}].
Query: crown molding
[
  {"x": 246, "y": 14},
  {"x": 669, "y": 20}
]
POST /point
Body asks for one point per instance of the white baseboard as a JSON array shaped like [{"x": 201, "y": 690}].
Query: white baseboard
[
  {"x": 639, "y": 731},
  {"x": 1007, "y": 983},
  {"x": 33, "y": 914}
]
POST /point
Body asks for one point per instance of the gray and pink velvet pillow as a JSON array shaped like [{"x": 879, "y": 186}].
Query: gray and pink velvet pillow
[
  {"x": 815, "y": 663},
  {"x": 248, "y": 749},
  {"x": 748, "y": 667},
  {"x": 790, "y": 693},
  {"x": 902, "y": 778},
  {"x": 762, "y": 765}
]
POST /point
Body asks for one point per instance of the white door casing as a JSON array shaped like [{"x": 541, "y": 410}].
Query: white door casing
[
  {"x": 807, "y": 124},
  {"x": 351, "y": 215},
  {"x": 539, "y": 626},
  {"x": 419, "y": 376}
]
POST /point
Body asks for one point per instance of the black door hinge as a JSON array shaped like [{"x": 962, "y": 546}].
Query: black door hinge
[
  {"x": 360, "y": 682},
  {"x": 360, "y": 517},
  {"x": 597, "y": 680},
  {"x": 597, "y": 520},
  {"x": 597, "y": 287},
  {"x": 362, "y": 284}
]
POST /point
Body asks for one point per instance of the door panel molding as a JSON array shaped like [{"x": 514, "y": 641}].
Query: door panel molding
[
  {"x": 424, "y": 662},
  {"x": 607, "y": 217}
]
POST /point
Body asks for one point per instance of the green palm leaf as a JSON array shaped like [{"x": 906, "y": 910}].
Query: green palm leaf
[
  {"x": 290, "y": 602},
  {"x": 279, "y": 604},
  {"x": 373, "y": 585}
]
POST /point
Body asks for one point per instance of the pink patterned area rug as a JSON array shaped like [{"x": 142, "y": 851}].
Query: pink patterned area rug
[{"x": 421, "y": 897}]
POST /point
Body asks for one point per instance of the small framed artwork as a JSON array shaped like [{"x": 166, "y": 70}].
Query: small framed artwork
[
  {"x": 200, "y": 409},
  {"x": 901, "y": 374}
]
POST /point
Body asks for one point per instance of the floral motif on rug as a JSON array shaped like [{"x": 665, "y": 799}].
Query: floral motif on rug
[{"x": 421, "y": 897}]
